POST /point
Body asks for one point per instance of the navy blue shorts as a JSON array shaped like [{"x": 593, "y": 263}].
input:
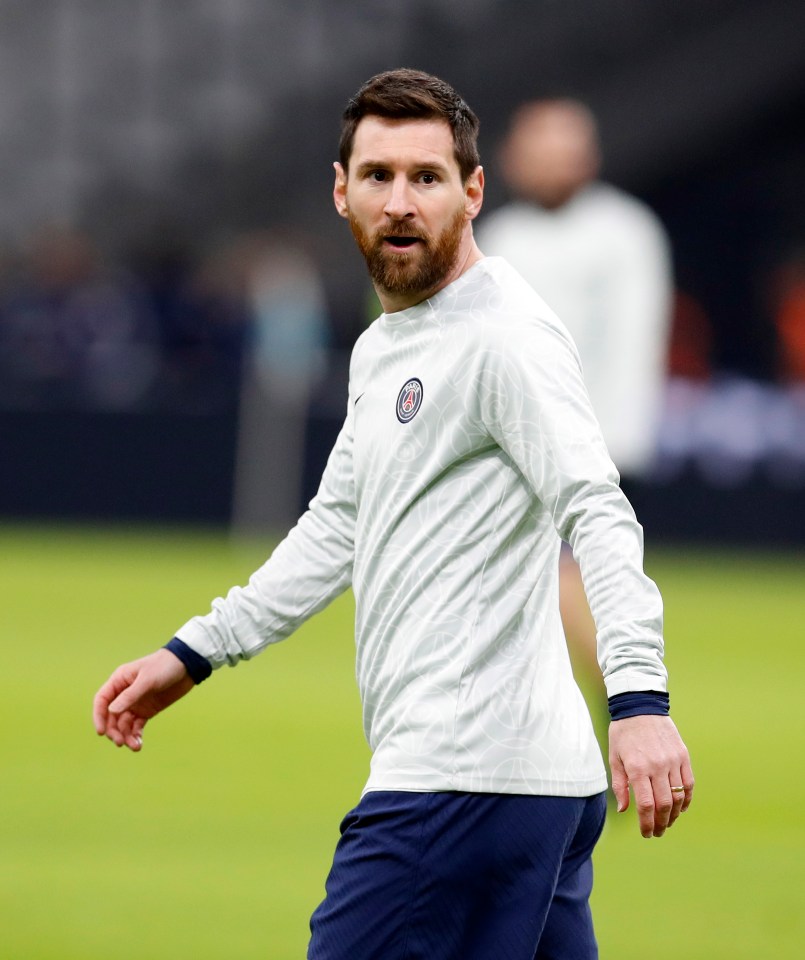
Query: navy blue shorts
[{"x": 461, "y": 876}]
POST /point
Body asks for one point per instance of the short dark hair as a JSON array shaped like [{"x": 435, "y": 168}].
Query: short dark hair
[{"x": 406, "y": 94}]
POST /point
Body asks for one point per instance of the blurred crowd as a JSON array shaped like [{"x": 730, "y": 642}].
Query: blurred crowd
[
  {"x": 728, "y": 426},
  {"x": 173, "y": 329},
  {"x": 168, "y": 330}
]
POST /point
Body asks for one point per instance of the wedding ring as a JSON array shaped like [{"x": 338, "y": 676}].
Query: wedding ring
[{"x": 677, "y": 789}]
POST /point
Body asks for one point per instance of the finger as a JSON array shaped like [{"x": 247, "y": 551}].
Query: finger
[
  {"x": 677, "y": 797},
  {"x": 131, "y": 729},
  {"x": 100, "y": 705},
  {"x": 112, "y": 732},
  {"x": 128, "y": 696},
  {"x": 663, "y": 805},
  {"x": 125, "y": 730},
  {"x": 116, "y": 727},
  {"x": 125, "y": 721},
  {"x": 116, "y": 683},
  {"x": 135, "y": 741},
  {"x": 620, "y": 786},
  {"x": 645, "y": 803},
  {"x": 688, "y": 781}
]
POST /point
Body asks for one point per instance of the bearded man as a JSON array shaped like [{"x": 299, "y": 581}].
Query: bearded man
[{"x": 468, "y": 453}]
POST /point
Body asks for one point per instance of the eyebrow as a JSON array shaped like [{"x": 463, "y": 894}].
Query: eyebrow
[{"x": 368, "y": 165}]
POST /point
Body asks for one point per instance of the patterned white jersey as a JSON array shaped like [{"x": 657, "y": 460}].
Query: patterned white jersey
[{"x": 469, "y": 448}]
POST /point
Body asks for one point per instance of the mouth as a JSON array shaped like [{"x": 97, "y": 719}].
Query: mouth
[{"x": 401, "y": 243}]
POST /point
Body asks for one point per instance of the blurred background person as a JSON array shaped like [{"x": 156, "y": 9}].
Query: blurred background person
[
  {"x": 75, "y": 331},
  {"x": 286, "y": 360},
  {"x": 601, "y": 260},
  {"x": 203, "y": 317}
]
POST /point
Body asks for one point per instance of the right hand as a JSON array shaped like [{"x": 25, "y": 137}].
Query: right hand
[
  {"x": 136, "y": 692},
  {"x": 647, "y": 754}
]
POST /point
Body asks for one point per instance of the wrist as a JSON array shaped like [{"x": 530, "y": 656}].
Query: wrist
[
  {"x": 639, "y": 703},
  {"x": 198, "y": 667}
]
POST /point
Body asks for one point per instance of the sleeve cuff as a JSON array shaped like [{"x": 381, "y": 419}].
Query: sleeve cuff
[
  {"x": 198, "y": 667},
  {"x": 639, "y": 703}
]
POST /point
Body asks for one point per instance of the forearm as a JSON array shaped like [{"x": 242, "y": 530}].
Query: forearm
[
  {"x": 555, "y": 440},
  {"x": 308, "y": 569},
  {"x": 626, "y": 605}
]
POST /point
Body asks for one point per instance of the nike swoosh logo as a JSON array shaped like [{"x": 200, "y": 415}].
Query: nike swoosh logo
[{"x": 358, "y": 398}]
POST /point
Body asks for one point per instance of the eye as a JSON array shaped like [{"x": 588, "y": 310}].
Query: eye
[
  {"x": 427, "y": 178},
  {"x": 378, "y": 176}
]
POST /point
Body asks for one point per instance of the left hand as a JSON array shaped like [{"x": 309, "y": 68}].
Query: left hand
[{"x": 647, "y": 753}]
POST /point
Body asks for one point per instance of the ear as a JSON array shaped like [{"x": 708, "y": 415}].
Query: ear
[
  {"x": 474, "y": 193},
  {"x": 340, "y": 190}
]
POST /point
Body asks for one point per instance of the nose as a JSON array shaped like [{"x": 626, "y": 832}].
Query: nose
[{"x": 399, "y": 201}]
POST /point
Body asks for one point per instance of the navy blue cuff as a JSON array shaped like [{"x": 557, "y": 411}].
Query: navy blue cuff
[
  {"x": 639, "y": 703},
  {"x": 197, "y": 666}
]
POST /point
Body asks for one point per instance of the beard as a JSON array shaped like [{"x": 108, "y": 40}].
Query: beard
[{"x": 406, "y": 273}]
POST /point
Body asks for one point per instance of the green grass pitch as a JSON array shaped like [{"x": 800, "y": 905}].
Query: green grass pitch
[{"x": 215, "y": 841}]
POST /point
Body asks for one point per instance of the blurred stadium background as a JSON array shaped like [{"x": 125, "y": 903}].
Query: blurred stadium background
[{"x": 173, "y": 283}]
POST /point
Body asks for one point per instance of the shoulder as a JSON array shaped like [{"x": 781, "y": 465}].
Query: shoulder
[
  {"x": 511, "y": 318},
  {"x": 366, "y": 338},
  {"x": 510, "y": 299},
  {"x": 365, "y": 347}
]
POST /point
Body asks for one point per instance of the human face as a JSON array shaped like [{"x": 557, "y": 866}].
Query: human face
[
  {"x": 408, "y": 208},
  {"x": 552, "y": 153}
]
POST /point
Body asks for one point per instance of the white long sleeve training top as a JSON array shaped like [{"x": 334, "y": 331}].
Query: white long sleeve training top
[{"x": 468, "y": 450}]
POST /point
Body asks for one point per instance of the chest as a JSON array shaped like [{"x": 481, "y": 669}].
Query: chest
[{"x": 413, "y": 415}]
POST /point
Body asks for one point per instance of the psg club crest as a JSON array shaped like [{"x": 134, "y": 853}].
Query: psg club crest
[{"x": 409, "y": 400}]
